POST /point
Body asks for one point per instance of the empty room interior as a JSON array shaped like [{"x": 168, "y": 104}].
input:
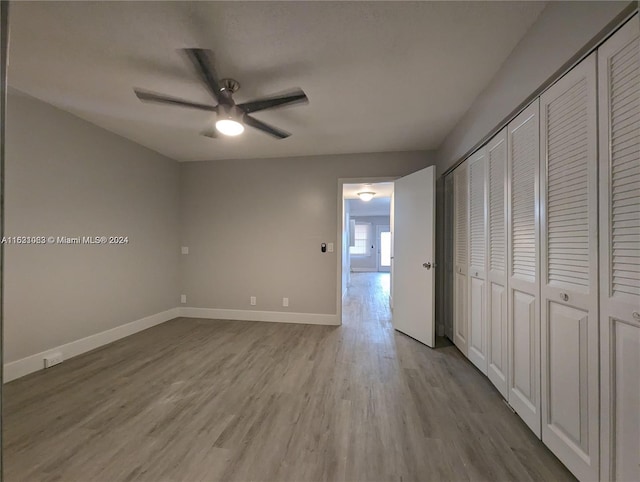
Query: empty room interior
[{"x": 320, "y": 241}]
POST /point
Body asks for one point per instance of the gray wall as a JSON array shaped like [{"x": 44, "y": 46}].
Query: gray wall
[
  {"x": 560, "y": 32},
  {"x": 369, "y": 263},
  {"x": 65, "y": 176},
  {"x": 254, "y": 228}
]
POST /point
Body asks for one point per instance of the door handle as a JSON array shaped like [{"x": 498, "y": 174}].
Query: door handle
[
  {"x": 426, "y": 265},
  {"x": 564, "y": 296}
]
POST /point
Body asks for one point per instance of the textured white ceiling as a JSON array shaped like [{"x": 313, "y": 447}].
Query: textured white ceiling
[{"x": 380, "y": 76}]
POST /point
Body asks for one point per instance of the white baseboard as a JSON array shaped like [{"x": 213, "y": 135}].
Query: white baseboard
[
  {"x": 250, "y": 315},
  {"x": 33, "y": 363},
  {"x": 364, "y": 270}
]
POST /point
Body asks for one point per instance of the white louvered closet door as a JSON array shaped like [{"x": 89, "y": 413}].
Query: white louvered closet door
[
  {"x": 523, "y": 289},
  {"x": 448, "y": 248},
  {"x": 460, "y": 312},
  {"x": 496, "y": 279},
  {"x": 619, "y": 125},
  {"x": 569, "y": 278},
  {"x": 477, "y": 350}
]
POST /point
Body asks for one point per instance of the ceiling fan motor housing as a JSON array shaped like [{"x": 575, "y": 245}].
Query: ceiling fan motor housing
[
  {"x": 229, "y": 85},
  {"x": 231, "y": 112}
]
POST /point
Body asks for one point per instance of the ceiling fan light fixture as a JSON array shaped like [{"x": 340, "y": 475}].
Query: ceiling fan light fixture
[
  {"x": 366, "y": 195},
  {"x": 228, "y": 123},
  {"x": 229, "y": 127}
]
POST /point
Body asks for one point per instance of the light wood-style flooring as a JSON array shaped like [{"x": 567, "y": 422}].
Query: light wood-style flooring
[{"x": 201, "y": 400}]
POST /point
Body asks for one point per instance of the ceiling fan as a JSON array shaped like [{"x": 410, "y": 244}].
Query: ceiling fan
[{"x": 232, "y": 117}]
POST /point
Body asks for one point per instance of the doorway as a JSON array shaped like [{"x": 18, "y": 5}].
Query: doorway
[
  {"x": 366, "y": 238},
  {"x": 411, "y": 256},
  {"x": 383, "y": 238}
]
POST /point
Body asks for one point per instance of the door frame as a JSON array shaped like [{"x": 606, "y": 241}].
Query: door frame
[
  {"x": 379, "y": 231},
  {"x": 340, "y": 230}
]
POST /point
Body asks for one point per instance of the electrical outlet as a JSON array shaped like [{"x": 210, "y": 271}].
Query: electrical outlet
[
  {"x": 53, "y": 359},
  {"x": 183, "y": 298},
  {"x": 185, "y": 250},
  {"x": 285, "y": 301},
  {"x": 253, "y": 301}
]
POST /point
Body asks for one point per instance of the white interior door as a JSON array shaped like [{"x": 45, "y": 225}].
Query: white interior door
[
  {"x": 523, "y": 288},
  {"x": 619, "y": 141},
  {"x": 496, "y": 292},
  {"x": 393, "y": 229},
  {"x": 414, "y": 255},
  {"x": 477, "y": 350},
  {"x": 569, "y": 276},
  {"x": 383, "y": 240},
  {"x": 460, "y": 268}
]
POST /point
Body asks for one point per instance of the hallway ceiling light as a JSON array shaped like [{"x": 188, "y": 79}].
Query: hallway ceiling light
[{"x": 366, "y": 195}]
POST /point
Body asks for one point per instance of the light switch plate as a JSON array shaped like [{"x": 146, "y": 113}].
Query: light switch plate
[
  {"x": 330, "y": 247},
  {"x": 185, "y": 250}
]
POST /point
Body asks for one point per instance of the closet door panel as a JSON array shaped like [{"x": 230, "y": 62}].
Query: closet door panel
[
  {"x": 497, "y": 317},
  {"x": 496, "y": 296},
  {"x": 524, "y": 380},
  {"x": 477, "y": 260},
  {"x": 626, "y": 396},
  {"x": 460, "y": 312},
  {"x": 567, "y": 381},
  {"x": 476, "y": 319},
  {"x": 523, "y": 302},
  {"x": 569, "y": 286},
  {"x": 619, "y": 141}
]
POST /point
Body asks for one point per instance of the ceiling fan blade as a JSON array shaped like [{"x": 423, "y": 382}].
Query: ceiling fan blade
[
  {"x": 296, "y": 96},
  {"x": 202, "y": 60},
  {"x": 264, "y": 127},
  {"x": 146, "y": 96}
]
